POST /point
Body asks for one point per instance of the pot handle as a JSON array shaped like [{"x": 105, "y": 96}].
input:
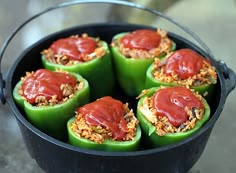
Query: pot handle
[
  {"x": 229, "y": 77},
  {"x": 2, "y": 85},
  {"x": 117, "y": 2}
]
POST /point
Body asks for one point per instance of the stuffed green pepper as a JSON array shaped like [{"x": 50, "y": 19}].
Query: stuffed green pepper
[
  {"x": 168, "y": 115},
  {"x": 133, "y": 53},
  {"x": 105, "y": 124},
  {"x": 88, "y": 56},
  {"x": 49, "y": 99},
  {"x": 183, "y": 67}
]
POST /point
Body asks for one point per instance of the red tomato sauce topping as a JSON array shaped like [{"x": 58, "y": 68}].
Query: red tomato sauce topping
[
  {"x": 141, "y": 39},
  {"x": 184, "y": 62},
  {"x": 74, "y": 48},
  {"x": 172, "y": 102},
  {"x": 46, "y": 83},
  {"x": 107, "y": 112}
]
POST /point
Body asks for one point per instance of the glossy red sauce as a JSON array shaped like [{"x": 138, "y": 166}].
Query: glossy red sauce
[
  {"x": 107, "y": 112},
  {"x": 171, "y": 102},
  {"x": 46, "y": 83},
  {"x": 141, "y": 39},
  {"x": 74, "y": 47},
  {"x": 184, "y": 62}
]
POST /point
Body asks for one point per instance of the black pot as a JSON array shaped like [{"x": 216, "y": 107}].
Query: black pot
[{"x": 53, "y": 155}]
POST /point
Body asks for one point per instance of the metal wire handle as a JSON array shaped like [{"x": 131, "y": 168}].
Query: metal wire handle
[{"x": 76, "y": 2}]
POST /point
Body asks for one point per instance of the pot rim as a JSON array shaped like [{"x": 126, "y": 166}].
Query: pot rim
[{"x": 29, "y": 126}]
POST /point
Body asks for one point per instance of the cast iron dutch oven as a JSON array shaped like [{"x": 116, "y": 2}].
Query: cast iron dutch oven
[{"x": 53, "y": 155}]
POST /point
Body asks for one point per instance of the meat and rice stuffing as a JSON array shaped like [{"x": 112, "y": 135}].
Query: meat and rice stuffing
[
  {"x": 184, "y": 67},
  {"x": 44, "y": 87},
  {"x": 74, "y": 49},
  {"x": 163, "y": 124},
  {"x": 93, "y": 122},
  {"x": 140, "y": 51}
]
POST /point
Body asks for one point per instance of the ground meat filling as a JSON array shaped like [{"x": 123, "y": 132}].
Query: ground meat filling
[
  {"x": 68, "y": 92},
  {"x": 66, "y": 61},
  {"x": 164, "y": 48},
  {"x": 207, "y": 75},
  {"x": 162, "y": 124},
  {"x": 99, "y": 133}
]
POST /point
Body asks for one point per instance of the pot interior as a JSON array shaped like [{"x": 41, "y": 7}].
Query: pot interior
[{"x": 30, "y": 60}]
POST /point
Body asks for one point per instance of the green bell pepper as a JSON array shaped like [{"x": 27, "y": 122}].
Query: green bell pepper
[
  {"x": 107, "y": 145},
  {"x": 205, "y": 90},
  {"x": 52, "y": 119},
  {"x": 105, "y": 124},
  {"x": 98, "y": 72},
  {"x": 131, "y": 72},
  {"x": 149, "y": 130}
]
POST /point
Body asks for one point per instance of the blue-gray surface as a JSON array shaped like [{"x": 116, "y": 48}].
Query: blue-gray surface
[{"x": 213, "y": 20}]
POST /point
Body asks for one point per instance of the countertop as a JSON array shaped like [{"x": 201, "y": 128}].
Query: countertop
[{"x": 214, "y": 21}]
